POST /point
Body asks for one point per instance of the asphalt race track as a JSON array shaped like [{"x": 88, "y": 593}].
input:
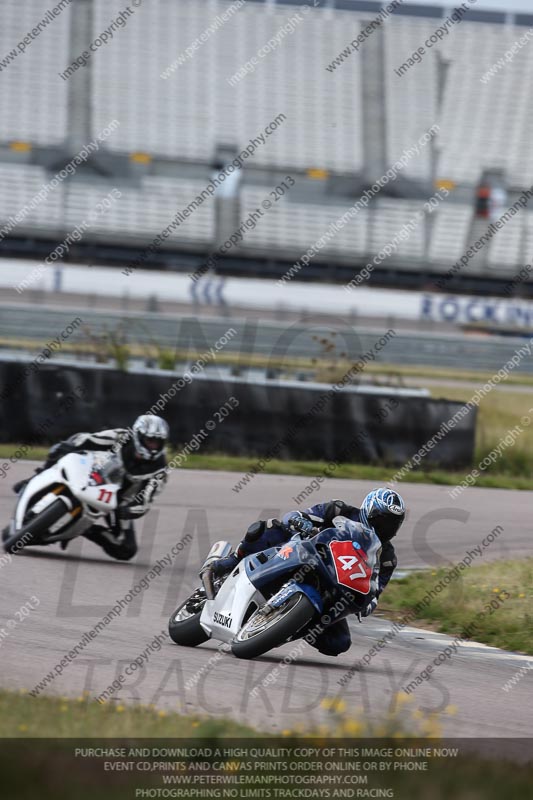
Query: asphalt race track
[{"x": 77, "y": 588}]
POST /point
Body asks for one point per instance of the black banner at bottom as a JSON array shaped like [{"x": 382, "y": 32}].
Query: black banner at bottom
[{"x": 277, "y": 767}]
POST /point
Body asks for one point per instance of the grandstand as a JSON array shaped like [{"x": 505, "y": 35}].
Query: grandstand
[
  {"x": 185, "y": 113},
  {"x": 33, "y": 102}
]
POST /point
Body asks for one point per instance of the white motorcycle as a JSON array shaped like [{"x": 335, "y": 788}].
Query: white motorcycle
[{"x": 63, "y": 501}]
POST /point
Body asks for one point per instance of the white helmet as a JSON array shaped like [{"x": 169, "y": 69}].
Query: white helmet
[{"x": 150, "y": 434}]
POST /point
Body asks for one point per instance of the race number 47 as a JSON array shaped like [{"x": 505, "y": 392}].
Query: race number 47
[
  {"x": 352, "y": 568},
  {"x": 348, "y": 562}
]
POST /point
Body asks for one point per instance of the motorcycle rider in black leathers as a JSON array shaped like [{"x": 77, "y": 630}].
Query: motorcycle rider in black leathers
[
  {"x": 141, "y": 450},
  {"x": 382, "y": 509}
]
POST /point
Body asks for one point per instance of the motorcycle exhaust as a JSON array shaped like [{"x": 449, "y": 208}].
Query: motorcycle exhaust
[{"x": 220, "y": 549}]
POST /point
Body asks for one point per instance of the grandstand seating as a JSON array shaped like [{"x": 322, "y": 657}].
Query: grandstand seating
[
  {"x": 507, "y": 248},
  {"x": 389, "y": 219},
  {"x": 146, "y": 207},
  {"x": 19, "y": 185},
  {"x": 482, "y": 125},
  {"x": 196, "y": 108},
  {"x": 172, "y": 118},
  {"x": 196, "y": 111},
  {"x": 451, "y": 225},
  {"x": 143, "y": 211},
  {"x": 33, "y": 99},
  {"x": 410, "y": 99},
  {"x": 294, "y": 227},
  {"x": 487, "y": 125}
]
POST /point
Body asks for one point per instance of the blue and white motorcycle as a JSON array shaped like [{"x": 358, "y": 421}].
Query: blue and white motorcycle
[{"x": 282, "y": 593}]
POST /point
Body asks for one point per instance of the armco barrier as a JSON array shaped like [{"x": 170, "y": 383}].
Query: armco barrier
[{"x": 268, "y": 413}]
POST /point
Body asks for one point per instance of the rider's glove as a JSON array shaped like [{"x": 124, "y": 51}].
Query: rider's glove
[
  {"x": 300, "y": 524},
  {"x": 369, "y": 608}
]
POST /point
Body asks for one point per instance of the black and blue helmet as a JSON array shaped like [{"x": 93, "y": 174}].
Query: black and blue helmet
[{"x": 384, "y": 510}]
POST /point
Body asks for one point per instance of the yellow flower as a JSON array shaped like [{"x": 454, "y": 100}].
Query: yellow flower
[
  {"x": 521, "y": 595},
  {"x": 119, "y": 709},
  {"x": 352, "y": 727},
  {"x": 286, "y": 732},
  {"x": 299, "y": 728},
  {"x": 433, "y": 731},
  {"x": 496, "y": 590},
  {"x": 194, "y": 724},
  {"x": 402, "y": 698},
  {"x": 162, "y": 714},
  {"x": 23, "y": 728},
  {"x": 333, "y": 704},
  {"x": 64, "y": 708}
]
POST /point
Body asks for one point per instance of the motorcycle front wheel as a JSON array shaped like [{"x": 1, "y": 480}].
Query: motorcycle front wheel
[
  {"x": 37, "y": 526},
  {"x": 263, "y": 631}
]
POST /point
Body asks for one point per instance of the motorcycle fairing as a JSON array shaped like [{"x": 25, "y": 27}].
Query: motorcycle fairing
[
  {"x": 224, "y": 616},
  {"x": 297, "y": 588},
  {"x": 73, "y": 469}
]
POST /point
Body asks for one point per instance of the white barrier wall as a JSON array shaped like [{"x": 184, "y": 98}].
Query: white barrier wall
[{"x": 264, "y": 294}]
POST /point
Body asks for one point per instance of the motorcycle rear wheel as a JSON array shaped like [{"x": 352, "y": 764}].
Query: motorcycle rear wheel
[{"x": 184, "y": 628}]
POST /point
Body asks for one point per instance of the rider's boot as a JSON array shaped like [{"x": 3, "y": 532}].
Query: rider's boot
[{"x": 117, "y": 544}]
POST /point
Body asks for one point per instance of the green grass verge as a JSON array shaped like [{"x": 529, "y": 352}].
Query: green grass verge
[
  {"x": 456, "y": 607},
  {"x": 57, "y": 717},
  {"x": 243, "y": 464},
  {"x": 499, "y": 413}
]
